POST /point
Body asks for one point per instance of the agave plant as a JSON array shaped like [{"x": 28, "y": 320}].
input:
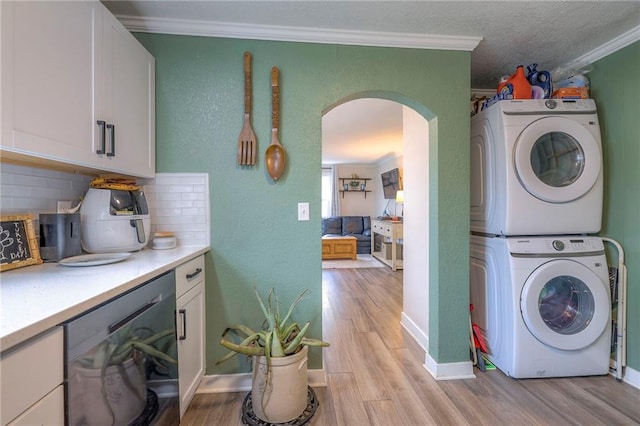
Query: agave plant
[{"x": 277, "y": 338}]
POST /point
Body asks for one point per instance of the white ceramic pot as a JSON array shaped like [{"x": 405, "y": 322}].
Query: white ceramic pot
[{"x": 280, "y": 396}]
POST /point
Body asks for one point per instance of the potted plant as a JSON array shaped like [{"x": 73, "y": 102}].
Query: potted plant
[
  {"x": 114, "y": 374},
  {"x": 354, "y": 185},
  {"x": 279, "y": 350}
]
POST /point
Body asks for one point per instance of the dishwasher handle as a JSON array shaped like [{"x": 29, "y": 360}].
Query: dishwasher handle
[{"x": 119, "y": 324}]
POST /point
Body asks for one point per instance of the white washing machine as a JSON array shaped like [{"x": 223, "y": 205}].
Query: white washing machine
[
  {"x": 536, "y": 168},
  {"x": 543, "y": 304}
]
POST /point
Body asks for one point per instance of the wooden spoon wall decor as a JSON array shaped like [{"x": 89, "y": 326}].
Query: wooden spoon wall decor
[{"x": 275, "y": 156}]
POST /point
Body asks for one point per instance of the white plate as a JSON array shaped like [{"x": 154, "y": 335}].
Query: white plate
[{"x": 94, "y": 259}]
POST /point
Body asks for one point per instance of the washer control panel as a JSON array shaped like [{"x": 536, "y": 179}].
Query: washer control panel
[{"x": 554, "y": 245}]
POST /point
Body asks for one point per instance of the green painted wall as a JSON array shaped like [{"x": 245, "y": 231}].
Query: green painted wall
[
  {"x": 256, "y": 238},
  {"x": 615, "y": 85}
]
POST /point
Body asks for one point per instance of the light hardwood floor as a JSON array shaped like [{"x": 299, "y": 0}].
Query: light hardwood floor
[{"x": 376, "y": 375}]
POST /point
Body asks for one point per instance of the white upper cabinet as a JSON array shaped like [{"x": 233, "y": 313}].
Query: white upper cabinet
[
  {"x": 128, "y": 101},
  {"x": 48, "y": 80},
  {"x": 65, "y": 67}
]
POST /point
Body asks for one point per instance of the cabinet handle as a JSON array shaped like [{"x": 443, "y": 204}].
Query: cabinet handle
[
  {"x": 194, "y": 274},
  {"x": 101, "y": 147},
  {"x": 183, "y": 313},
  {"x": 112, "y": 137}
]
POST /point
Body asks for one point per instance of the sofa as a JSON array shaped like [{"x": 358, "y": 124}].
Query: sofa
[{"x": 354, "y": 226}]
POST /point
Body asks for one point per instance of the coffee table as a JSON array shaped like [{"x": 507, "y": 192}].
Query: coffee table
[{"x": 338, "y": 247}]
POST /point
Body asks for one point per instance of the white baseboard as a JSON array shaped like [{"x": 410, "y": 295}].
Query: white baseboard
[
  {"x": 222, "y": 383},
  {"x": 412, "y": 328},
  {"x": 449, "y": 371},
  {"x": 631, "y": 377}
]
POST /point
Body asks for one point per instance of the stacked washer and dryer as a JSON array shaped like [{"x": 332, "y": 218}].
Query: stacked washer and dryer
[{"x": 539, "y": 284}]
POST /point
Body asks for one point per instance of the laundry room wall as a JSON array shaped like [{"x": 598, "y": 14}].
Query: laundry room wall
[{"x": 616, "y": 89}]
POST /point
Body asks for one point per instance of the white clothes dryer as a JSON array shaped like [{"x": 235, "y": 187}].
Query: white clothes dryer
[
  {"x": 543, "y": 304},
  {"x": 536, "y": 168}
]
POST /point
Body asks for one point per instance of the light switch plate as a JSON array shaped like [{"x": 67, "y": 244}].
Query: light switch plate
[{"x": 303, "y": 211}]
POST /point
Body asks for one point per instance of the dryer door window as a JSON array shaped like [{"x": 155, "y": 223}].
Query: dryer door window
[
  {"x": 557, "y": 159},
  {"x": 565, "y": 305}
]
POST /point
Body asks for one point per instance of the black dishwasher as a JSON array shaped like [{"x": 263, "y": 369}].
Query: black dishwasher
[{"x": 121, "y": 359}]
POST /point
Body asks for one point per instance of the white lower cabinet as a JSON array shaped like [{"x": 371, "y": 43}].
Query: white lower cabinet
[
  {"x": 190, "y": 312},
  {"x": 31, "y": 376}
]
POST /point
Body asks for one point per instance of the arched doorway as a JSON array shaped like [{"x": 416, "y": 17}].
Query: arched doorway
[{"x": 395, "y": 135}]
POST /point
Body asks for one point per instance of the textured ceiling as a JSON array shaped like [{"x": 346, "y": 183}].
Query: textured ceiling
[{"x": 550, "y": 33}]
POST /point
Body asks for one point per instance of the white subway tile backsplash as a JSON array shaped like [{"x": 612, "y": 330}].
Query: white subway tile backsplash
[
  {"x": 32, "y": 190},
  {"x": 167, "y": 196},
  {"x": 168, "y": 179},
  {"x": 195, "y": 196},
  {"x": 178, "y": 202},
  {"x": 193, "y": 181},
  {"x": 182, "y": 189},
  {"x": 167, "y": 212}
]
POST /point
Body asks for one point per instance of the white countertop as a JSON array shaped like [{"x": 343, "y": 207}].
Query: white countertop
[{"x": 36, "y": 298}]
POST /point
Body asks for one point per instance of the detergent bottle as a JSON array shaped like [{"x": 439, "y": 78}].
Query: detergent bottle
[
  {"x": 540, "y": 82},
  {"x": 521, "y": 86},
  {"x": 502, "y": 82}
]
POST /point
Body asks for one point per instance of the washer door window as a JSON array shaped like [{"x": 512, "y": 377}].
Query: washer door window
[
  {"x": 557, "y": 159},
  {"x": 565, "y": 305}
]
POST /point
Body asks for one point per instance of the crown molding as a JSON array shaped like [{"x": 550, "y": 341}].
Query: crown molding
[
  {"x": 606, "y": 49},
  {"x": 297, "y": 34}
]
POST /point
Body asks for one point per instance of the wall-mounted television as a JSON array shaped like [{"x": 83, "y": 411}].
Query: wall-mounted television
[{"x": 391, "y": 183}]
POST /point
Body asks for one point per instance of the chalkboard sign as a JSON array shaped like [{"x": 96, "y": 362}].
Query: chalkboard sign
[{"x": 18, "y": 243}]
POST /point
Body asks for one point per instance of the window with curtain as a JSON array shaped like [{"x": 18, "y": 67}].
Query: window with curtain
[{"x": 327, "y": 191}]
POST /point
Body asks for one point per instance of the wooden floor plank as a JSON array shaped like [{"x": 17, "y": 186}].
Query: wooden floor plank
[
  {"x": 524, "y": 397},
  {"x": 577, "y": 404},
  {"x": 381, "y": 413},
  {"x": 338, "y": 356},
  {"x": 610, "y": 392},
  {"x": 440, "y": 408},
  {"x": 407, "y": 402},
  {"x": 371, "y": 383},
  {"x": 325, "y": 414},
  {"x": 347, "y": 402},
  {"x": 215, "y": 409}
]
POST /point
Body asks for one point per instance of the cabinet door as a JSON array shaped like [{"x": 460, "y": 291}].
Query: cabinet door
[
  {"x": 48, "y": 411},
  {"x": 29, "y": 373},
  {"x": 129, "y": 101},
  {"x": 191, "y": 329},
  {"x": 48, "y": 80}
]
